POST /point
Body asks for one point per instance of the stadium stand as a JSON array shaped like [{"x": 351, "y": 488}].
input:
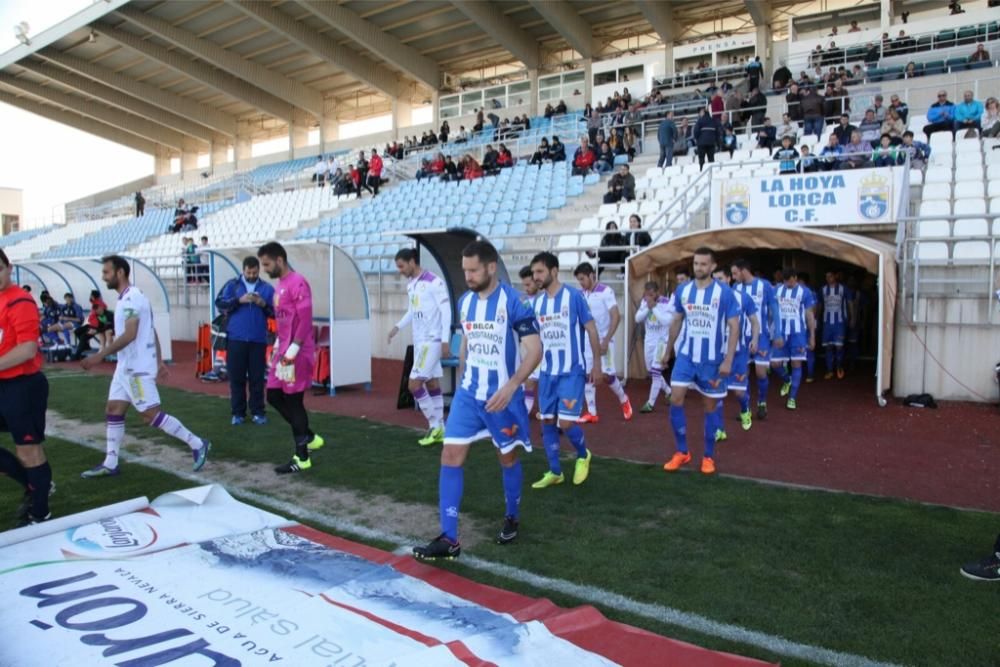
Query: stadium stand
[{"x": 57, "y": 237}]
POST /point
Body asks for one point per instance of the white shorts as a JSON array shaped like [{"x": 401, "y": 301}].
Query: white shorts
[
  {"x": 139, "y": 390},
  {"x": 654, "y": 353},
  {"x": 426, "y": 361},
  {"x": 607, "y": 359}
]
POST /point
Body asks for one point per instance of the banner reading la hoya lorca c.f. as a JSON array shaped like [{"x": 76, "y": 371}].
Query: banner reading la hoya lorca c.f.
[{"x": 856, "y": 197}]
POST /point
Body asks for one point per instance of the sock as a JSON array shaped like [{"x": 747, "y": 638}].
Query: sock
[
  {"x": 437, "y": 398},
  {"x": 67, "y": 340},
  {"x": 11, "y": 466},
  {"x": 745, "y": 401},
  {"x": 39, "y": 481},
  {"x": 550, "y": 439},
  {"x": 712, "y": 424},
  {"x": 678, "y": 422},
  {"x": 762, "y": 384},
  {"x": 796, "y": 381},
  {"x": 616, "y": 386},
  {"x": 172, "y": 426},
  {"x": 575, "y": 435},
  {"x": 781, "y": 372},
  {"x": 529, "y": 399},
  {"x": 719, "y": 417},
  {"x": 828, "y": 353},
  {"x": 810, "y": 363},
  {"x": 839, "y": 352},
  {"x": 590, "y": 391},
  {"x": 512, "y": 480},
  {"x": 449, "y": 499},
  {"x": 116, "y": 435},
  {"x": 655, "y": 385},
  {"x": 425, "y": 403}
]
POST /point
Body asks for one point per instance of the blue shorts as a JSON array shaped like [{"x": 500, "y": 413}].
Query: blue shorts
[
  {"x": 833, "y": 333},
  {"x": 795, "y": 349},
  {"x": 469, "y": 421},
  {"x": 704, "y": 377},
  {"x": 763, "y": 354},
  {"x": 737, "y": 380},
  {"x": 561, "y": 395}
]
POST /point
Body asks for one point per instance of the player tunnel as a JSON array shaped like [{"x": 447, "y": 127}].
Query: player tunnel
[{"x": 875, "y": 257}]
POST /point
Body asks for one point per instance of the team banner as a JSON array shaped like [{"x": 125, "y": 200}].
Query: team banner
[
  {"x": 170, "y": 585},
  {"x": 854, "y": 197}
]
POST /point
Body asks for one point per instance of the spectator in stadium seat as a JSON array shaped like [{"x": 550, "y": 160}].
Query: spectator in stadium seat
[
  {"x": 100, "y": 324},
  {"x": 630, "y": 142},
  {"x": 844, "y": 130},
  {"x": 980, "y": 54},
  {"x": 246, "y": 302},
  {"x": 811, "y": 106},
  {"x": 424, "y": 171},
  {"x": 445, "y": 131},
  {"x": 788, "y": 128},
  {"x": 900, "y": 107},
  {"x": 140, "y": 205},
  {"x": 560, "y": 108},
  {"x": 969, "y": 114},
  {"x": 767, "y": 135},
  {"x": 342, "y": 185},
  {"x": 787, "y": 156},
  {"x": 583, "y": 159},
  {"x": 956, "y": 7},
  {"x": 837, "y": 101},
  {"x": 70, "y": 317},
  {"x": 894, "y": 126},
  {"x": 685, "y": 138},
  {"x": 781, "y": 77},
  {"x": 557, "y": 151},
  {"x": 50, "y": 328},
  {"x": 756, "y": 108},
  {"x": 807, "y": 161},
  {"x": 878, "y": 108},
  {"x": 471, "y": 169},
  {"x": 903, "y": 44},
  {"x": 734, "y": 104},
  {"x": 708, "y": 134},
  {"x": 991, "y": 118},
  {"x": 718, "y": 105},
  {"x": 319, "y": 172},
  {"x": 911, "y": 71},
  {"x": 666, "y": 134},
  {"x": 504, "y": 158},
  {"x": 181, "y": 216},
  {"x": 918, "y": 151},
  {"x": 885, "y": 154},
  {"x": 816, "y": 56},
  {"x": 940, "y": 115},
  {"x": 854, "y": 27},
  {"x": 542, "y": 154},
  {"x": 605, "y": 159},
  {"x": 451, "y": 172},
  {"x": 870, "y": 129},
  {"x": 612, "y": 238},
  {"x": 830, "y": 156},
  {"x": 490, "y": 156},
  {"x": 620, "y": 186},
  {"x": 363, "y": 167},
  {"x": 375, "y": 172},
  {"x": 636, "y": 236},
  {"x": 549, "y": 111},
  {"x": 729, "y": 140},
  {"x": 856, "y": 153},
  {"x": 793, "y": 100}
]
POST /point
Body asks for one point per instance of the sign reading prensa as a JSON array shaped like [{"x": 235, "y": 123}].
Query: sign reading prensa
[{"x": 862, "y": 196}]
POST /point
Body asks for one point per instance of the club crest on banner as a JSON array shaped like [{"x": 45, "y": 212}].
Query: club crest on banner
[
  {"x": 736, "y": 204},
  {"x": 873, "y": 197}
]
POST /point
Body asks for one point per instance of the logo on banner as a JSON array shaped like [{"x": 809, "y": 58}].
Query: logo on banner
[
  {"x": 736, "y": 204},
  {"x": 873, "y": 197},
  {"x": 122, "y": 534}
]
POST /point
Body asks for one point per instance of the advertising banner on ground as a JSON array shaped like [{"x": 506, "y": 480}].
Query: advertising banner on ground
[
  {"x": 850, "y": 197},
  {"x": 132, "y": 591}
]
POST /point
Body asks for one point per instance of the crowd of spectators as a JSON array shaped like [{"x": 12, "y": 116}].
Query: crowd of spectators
[
  {"x": 353, "y": 178},
  {"x": 65, "y": 333},
  {"x": 185, "y": 218}
]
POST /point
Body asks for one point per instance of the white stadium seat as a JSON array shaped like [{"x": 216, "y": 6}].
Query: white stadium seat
[
  {"x": 589, "y": 225},
  {"x": 933, "y": 191},
  {"x": 968, "y": 189},
  {"x": 994, "y": 190},
  {"x": 607, "y": 210},
  {"x": 995, "y": 205},
  {"x": 970, "y": 206},
  {"x": 968, "y": 172},
  {"x": 972, "y": 250},
  {"x": 938, "y": 173},
  {"x": 935, "y": 207},
  {"x": 916, "y": 177},
  {"x": 932, "y": 251},
  {"x": 933, "y": 228},
  {"x": 973, "y": 227}
]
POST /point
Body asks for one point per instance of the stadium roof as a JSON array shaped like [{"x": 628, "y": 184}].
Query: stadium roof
[{"x": 169, "y": 77}]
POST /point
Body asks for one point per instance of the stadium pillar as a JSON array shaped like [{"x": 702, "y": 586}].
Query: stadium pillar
[
  {"x": 329, "y": 126},
  {"x": 533, "y": 82},
  {"x": 244, "y": 149},
  {"x": 219, "y": 152},
  {"x": 765, "y": 50},
  {"x": 668, "y": 59},
  {"x": 402, "y": 116},
  {"x": 885, "y": 14},
  {"x": 588, "y": 81},
  {"x": 161, "y": 161},
  {"x": 436, "y": 106},
  {"x": 189, "y": 162},
  {"x": 298, "y": 138}
]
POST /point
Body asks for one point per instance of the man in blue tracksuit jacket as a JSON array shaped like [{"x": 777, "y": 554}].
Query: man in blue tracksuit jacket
[{"x": 247, "y": 302}]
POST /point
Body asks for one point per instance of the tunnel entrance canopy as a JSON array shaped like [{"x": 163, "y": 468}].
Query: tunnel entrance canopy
[
  {"x": 876, "y": 257},
  {"x": 339, "y": 299},
  {"x": 81, "y": 276}
]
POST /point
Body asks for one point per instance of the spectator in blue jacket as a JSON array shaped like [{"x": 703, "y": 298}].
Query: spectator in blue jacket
[
  {"x": 666, "y": 134},
  {"x": 829, "y": 157},
  {"x": 246, "y": 302},
  {"x": 918, "y": 151},
  {"x": 70, "y": 318},
  {"x": 940, "y": 115},
  {"x": 968, "y": 113}
]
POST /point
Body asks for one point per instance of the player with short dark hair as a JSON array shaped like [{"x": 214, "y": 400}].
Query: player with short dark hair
[
  {"x": 738, "y": 383},
  {"x": 798, "y": 327},
  {"x": 762, "y": 294},
  {"x": 24, "y": 395},
  {"x": 705, "y": 310},
  {"x": 529, "y": 296},
  {"x": 488, "y": 401},
  {"x": 655, "y": 312},
  {"x": 292, "y": 361},
  {"x": 564, "y": 319},
  {"x": 838, "y": 317},
  {"x": 140, "y": 364}
]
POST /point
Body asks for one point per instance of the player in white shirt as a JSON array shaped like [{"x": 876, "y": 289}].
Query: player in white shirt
[
  {"x": 429, "y": 311},
  {"x": 604, "y": 309},
  {"x": 528, "y": 298},
  {"x": 655, "y": 311},
  {"x": 139, "y": 366}
]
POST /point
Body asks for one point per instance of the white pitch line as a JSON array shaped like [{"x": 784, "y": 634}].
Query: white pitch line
[{"x": 591, "y": 594}]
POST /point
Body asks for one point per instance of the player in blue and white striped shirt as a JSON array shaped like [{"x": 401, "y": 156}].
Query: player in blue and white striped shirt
[
  {"x": 746, "y": 345},
  {"x": 838, "y": 315},
  {"x": 798, "y": 327},
  {"x": 706, "y": 310},
  {"x": 488, "y": 402},
  {"x": 528, "y": 298},
  {"x": 762, "y": 294},
  {"x": 564, "y": 319}
]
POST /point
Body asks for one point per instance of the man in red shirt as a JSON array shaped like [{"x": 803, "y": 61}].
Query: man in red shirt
[
  {"x": 584, "y": 159},
  {"x": 24, "y": 396},
  {"x": 375, "y": 172}
]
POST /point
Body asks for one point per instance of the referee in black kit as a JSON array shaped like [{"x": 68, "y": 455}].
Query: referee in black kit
[{"x": 24, "y": 395}]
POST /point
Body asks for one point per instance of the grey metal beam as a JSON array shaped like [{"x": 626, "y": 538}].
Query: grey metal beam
[
  {"x": 82, "y": 123},
  {"x": 759, "y": 10},
  {"x": 376, "y": 40},
  {"x": 574, "y": 28},
  {"x": 490, "y": 18},
  {"x": 322, "y": 46},
  {"x": 120, "y": 119},
  {"x": 226, "y": 83},
  {"x": 118, "y": 99},
  {"x": 661, "y": 16},
  {"x": 199, "y": 113},
  {"x": 297, "y": 94}
]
